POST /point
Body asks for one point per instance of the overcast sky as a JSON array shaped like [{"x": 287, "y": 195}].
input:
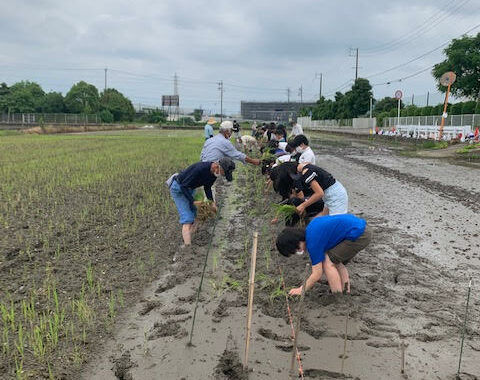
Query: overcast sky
[{"x": 258, "y": 48}]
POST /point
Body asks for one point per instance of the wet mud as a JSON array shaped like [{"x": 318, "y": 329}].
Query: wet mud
[{"x": 408, "y": 286}]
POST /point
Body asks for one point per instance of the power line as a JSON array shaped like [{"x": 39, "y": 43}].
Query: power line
[
  {"x": 420, "y": 56},
  {"x": 433, "y": 22}
]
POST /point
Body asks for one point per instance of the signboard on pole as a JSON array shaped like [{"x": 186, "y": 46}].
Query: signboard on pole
[
  {"x": 170, "y": 100},
  {"x": 398, "y": 94}
]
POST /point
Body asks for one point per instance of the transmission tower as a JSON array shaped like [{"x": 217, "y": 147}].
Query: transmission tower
[{"x": 175, "y": 92}]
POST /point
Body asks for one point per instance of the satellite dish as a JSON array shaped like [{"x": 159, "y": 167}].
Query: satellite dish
[{"x": 448, "y": 78}]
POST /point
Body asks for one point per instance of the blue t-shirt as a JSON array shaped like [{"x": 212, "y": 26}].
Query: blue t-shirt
[{"x": 325, "y": 232}]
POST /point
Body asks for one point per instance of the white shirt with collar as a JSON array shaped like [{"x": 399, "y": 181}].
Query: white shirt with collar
[{"x": 307, "y": 157}]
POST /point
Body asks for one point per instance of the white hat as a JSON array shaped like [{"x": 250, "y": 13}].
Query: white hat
[{"x": 226, "y": 124}]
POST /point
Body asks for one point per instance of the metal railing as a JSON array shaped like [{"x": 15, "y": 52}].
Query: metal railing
[
  {"x": 33, "y": 119},
  {"x": 452, "y": 120},
  {"x": 308, "y": 123}
]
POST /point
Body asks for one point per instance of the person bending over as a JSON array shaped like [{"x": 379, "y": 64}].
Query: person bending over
[
  {"x": 182, "y": 189},
  {"x": 331, "y": 242}
]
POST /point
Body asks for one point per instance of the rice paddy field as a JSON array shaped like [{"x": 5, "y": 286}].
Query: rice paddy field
[{"x": 81, "y": 220}]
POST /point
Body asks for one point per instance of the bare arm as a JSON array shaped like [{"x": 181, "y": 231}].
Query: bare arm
[
  {"x": 316, "y": 196},
  {"x": 254, "y": 161},
  {"x": 317, "y": 271}
]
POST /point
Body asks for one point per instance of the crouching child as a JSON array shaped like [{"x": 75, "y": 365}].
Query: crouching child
[
  {"x": 331, "y": 241},
  {"x": 182, "y": 189}
]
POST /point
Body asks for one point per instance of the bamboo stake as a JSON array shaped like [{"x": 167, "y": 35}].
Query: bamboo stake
[
  {"x": 464, "y": 329},
  {"x": 250, "y": 297},
  {"x": 297, "y": 327},
  {"x": 345, "y": 342},
  {"x": 402, "y": 348}
]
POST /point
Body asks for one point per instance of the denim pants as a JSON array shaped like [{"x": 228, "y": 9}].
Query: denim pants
[{"x": 187, "y": 215}]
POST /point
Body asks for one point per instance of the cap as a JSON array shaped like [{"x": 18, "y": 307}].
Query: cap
[
  {"x": 228, "y": 167},
  {"x": 226, "y": 124}
]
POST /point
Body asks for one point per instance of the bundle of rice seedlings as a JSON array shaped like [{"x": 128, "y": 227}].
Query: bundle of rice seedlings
[
  {"x": 287, "y": 211},
  {"x": 198, "y": 196},
  {"x": 205, "y": 211}
]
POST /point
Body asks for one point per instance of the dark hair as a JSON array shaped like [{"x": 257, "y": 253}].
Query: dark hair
[
  {"x": 298, "y": 140},
  {"x": 289, "y": 148},
  {"x": 288, "y": 239},
  {"x": 283, "y": 178}
]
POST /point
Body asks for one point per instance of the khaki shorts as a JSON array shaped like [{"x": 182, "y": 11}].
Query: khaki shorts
[{"x": 347, "y": 249}]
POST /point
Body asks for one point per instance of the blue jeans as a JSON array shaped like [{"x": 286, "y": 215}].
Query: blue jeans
[
  {"x": 336, "y": 199},
  {"x": 186, "y": 213}
]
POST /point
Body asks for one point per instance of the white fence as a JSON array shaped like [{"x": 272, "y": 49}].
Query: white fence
[
  {"x": 307, "y": 123},
  {"x": 30, "y": 119},
  {"x": 453, "y": 120},
  {"x": 432, "y": 131}
]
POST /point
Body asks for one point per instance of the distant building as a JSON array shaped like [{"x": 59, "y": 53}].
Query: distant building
[{"x": 272, "y": 111}]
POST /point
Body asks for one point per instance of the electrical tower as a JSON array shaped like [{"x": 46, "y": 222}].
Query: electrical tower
[
  {"x": 320, "y": 88},
  {"x": 288, "y": 95},
  {"x": 354, "y": 53},
  {"x": 300, "y": 93},
  {"x": 220, "y": 88}
]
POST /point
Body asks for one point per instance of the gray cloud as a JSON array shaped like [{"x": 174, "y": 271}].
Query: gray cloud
[{"x": 264, "y": 46}]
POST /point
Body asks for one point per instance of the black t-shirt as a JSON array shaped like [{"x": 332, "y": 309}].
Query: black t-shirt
[
  {"x": 236, "y": 127},
  {"x": 313, "y": 173}
]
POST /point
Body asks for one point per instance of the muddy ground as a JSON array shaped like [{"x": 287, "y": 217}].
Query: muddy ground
[{"x": 408, "y": 286}]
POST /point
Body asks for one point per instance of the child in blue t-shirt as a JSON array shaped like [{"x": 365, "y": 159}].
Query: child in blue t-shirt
[{"x": 331, "y": 241}]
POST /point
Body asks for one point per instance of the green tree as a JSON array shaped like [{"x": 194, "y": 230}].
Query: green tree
[
  {"x": 463, "y": 58},
  {"x": 4, "y": 91},
  {"x": 53, "y": 103},
  {"x": 356, "y": 102},
  {"x": 456, "y": 108},
  {"x": 24, "y": 97},
  {"x": 469, "y": 107},
  {"x": 386, "y": 104},
  {"x": 197, "y": 114},
  {"x": 82, "y": 98},
  {"x": 117, "y": 104}
]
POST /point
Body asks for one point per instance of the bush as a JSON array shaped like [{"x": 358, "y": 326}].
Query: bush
[
  {"x": 106, "y": 116},
  {"x": 469, "y": 107}
]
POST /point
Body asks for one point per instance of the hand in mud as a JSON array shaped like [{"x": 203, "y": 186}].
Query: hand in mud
[
  {"x": 274, "y": 221},
  {"x": 214, "y": 206},
  {"x": 295, "y": 291}
]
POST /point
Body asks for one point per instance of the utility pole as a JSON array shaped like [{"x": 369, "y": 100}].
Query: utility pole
[
  {"x": 220, "y": 87},
  {"x": 371, "y": 105},
  {"x": 354, "y": 52},
  {"x": 105, "y": 78},
  {"x": 428, "y": 97},
  {"x": 175, "y": 92},
  {"x": 413, "y": 97},
  {"x": 288, "y": 95},
  {"x": 300, "y": 93},
  {"x": 320, "y": 88}
]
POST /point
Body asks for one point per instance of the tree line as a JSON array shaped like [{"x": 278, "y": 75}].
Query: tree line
[
  {"x": 28, "y": 97},
  {"x": 462, "y": 57}
]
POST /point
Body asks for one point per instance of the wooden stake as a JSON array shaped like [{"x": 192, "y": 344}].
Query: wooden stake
[
  {"x": 250, "y": 297},
  {"x": 345, "y": 342},
  {"x": 297, "y": 327}
]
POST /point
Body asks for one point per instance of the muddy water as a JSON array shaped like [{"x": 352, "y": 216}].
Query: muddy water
[{"x": 408, "y": 286}]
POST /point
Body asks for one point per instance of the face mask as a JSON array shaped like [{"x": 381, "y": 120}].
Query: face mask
[
  {"x": 299, "y": 149},
  {"x": 300, "y": 253}
]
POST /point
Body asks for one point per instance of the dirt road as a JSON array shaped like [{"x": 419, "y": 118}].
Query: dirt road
[{"x": 408, "y": 286}]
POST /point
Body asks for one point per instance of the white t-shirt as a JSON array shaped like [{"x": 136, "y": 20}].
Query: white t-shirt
[
  {"x": 297, "y": 129},
  {"x": 307, "y": 156},
  {"x": 282, "y": 145}
]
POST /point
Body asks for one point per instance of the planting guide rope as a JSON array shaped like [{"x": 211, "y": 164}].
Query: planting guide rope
[
  {"x": 203, "y": 275},
  {"x": 290, "y": 318}
]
